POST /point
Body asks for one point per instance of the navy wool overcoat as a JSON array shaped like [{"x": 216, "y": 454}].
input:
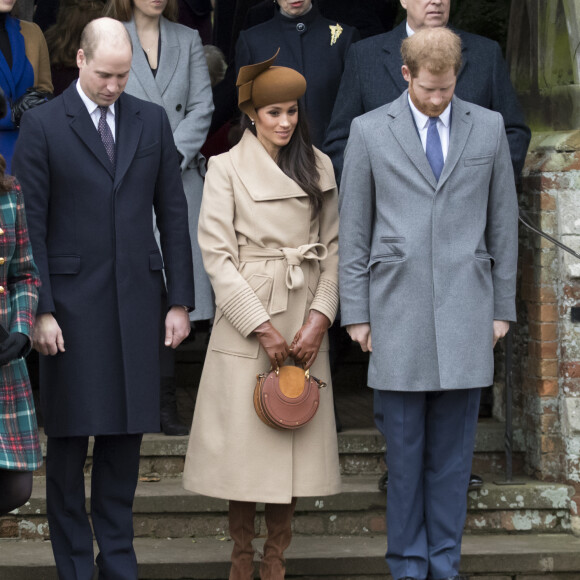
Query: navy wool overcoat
[{"x": 101, "y": 270}]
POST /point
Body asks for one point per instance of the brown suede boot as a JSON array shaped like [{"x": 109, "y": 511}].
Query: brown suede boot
[
  {"x": 242, "y": 532},
  {"x": 279, "y": 524}
]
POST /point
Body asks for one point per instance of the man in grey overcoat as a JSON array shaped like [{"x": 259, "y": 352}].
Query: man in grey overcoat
[{"x": 428, "y": 252}]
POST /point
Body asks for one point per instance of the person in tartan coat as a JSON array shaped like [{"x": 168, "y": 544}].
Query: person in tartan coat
[{"x": 20, "y": 452}]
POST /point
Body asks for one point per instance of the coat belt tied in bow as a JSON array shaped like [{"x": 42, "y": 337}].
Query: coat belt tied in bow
[{"x": 290, "y": 274}]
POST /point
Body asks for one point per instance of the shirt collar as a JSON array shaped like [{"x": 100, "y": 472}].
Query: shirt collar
[
  {"x": 410, "y": 31},
  {"x": 421, "y": 120},
  {"x": 89, "y": 104}
]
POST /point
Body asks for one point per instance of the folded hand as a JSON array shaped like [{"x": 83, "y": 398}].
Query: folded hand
[
  {"x": 306, "y": 344},
  {"x": 273, "y": 343}
]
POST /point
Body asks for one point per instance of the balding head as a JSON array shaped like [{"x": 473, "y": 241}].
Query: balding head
[
  {"x": 104, "y": 31},
  {"x": 104, "y": 60}
]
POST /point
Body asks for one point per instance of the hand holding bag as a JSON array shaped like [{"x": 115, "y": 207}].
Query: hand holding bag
[{"x": 287, "y": 398}]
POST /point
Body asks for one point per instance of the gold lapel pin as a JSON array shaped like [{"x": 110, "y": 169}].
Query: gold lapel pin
[{"x": 335, "y": 32}]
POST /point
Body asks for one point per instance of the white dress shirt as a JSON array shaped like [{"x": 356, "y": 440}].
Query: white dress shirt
[
  {"x": 443, "y": 124},
  {"x": 95, "y": 112}
]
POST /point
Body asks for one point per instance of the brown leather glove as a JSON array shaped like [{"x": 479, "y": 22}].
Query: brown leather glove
[
  {"x": 306, "y": 343},
  {"x": 273, "y": 343}
]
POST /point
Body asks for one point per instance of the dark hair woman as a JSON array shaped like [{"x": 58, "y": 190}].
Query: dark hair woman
[
  {"x": 268, "y": 232},
  {"x": 20, "y": 452},
  {"x": 169, "y": 68},
  {"x": 23, "y": 64},
  {"x": 64, "y": 38}
]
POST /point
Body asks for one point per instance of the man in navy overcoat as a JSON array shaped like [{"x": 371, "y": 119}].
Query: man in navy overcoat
[
  {"x": 93, "y": 163},
  {"x": 372, "y": 77},
  {"x": 427, "y": 274}
]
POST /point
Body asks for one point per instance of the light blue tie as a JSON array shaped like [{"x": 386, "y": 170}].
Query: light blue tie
[{"x": 433, "y": 148}]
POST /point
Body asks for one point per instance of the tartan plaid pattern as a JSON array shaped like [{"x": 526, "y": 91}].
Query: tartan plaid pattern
[{"x": 19, "y": 445}]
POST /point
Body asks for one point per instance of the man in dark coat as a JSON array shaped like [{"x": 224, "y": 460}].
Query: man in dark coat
[
  {"x": 309, "y": 43},
  {"x": 372, "y": 77},
  {"x": 93, "y": 163}
]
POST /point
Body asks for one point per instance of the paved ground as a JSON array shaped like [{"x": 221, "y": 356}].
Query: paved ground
[{"x": 528, "y": 556}]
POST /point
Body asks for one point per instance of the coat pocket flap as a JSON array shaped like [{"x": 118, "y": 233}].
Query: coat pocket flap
[
  {"x": 147, "y": 150},
  {"x": 483, "y": 255},
  {"x": 64, "y": 264},
  {"x": 391, "y": 257},
  {"x": 483, "y": 160},
  {"x": 155, "y": 261}
]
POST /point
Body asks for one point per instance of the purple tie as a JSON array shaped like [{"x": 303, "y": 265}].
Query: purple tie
[{"x": 107, "y": 135}]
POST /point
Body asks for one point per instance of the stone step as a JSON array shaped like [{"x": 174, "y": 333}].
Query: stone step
[
  {"x": 164, "y": 509},
  {"x": 494, "y": 557},
  {"x": 361, "y": 451}
]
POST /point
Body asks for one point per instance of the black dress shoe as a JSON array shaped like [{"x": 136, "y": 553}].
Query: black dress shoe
[
  {"x": 475, "y": 482},
  {"x": 383, "y": 480}
]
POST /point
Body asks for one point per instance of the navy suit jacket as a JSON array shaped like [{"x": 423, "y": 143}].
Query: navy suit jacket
[
  {"x": 372, "y": 77},
  {"x": 91, "y": 229}
]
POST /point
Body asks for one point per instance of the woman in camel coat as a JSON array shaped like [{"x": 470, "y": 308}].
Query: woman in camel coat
[{"x": 270, "y": 250}]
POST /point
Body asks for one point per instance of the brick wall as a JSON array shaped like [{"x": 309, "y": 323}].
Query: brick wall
[{"x": 548, "y": 340}]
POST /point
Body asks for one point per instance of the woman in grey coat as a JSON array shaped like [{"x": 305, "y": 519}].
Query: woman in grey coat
[{"x": 169, "y": 68}]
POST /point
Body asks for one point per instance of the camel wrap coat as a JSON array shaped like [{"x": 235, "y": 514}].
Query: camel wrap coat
[{"x": 268, "y": 258}]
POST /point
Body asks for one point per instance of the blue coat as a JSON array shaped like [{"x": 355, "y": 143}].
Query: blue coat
[
  {"x": 372, "y": 78},
  {"x": 100, "y": 266},
  {"x": 306, "y": 46}
]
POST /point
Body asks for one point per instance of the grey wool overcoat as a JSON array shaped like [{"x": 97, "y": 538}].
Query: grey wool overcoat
[
  {"x": 268, "y": 258},
  {"x": 428, "y": 264},
  {"x": 182, "y": 87}
]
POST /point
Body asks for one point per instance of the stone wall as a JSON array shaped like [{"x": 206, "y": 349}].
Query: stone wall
[{"x": 549, "y": 361}]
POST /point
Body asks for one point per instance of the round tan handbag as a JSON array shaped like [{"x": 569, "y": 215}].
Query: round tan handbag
[{"x": 287, "y": 398}]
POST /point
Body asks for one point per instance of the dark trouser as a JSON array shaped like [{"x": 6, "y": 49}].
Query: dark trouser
[
  {"x": 430, "y": 438},
  {"x": 113, "y": 481}
]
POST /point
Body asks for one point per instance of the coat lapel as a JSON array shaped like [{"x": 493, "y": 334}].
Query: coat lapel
[
  {"x": 169, "y": 56},
  {"x": 129, "y": 131},
  {"x": 267, "y": 182},
  {"x": 405, "y": 132},
  {"x": 460, "y": 128},
  {"x": 82, "y": 124},
  {"x": 392, "y": 55},
  {"x": 140, "y": 68}
]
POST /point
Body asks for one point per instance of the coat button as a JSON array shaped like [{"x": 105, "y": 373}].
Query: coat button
[
  {"x": 1, "y": 231},
  {"x": 2, "y": 260},
  {"x": 2, "y": 290},
  {"x": 301, "y": 27},
  {"x": 178, "y": 108}
]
